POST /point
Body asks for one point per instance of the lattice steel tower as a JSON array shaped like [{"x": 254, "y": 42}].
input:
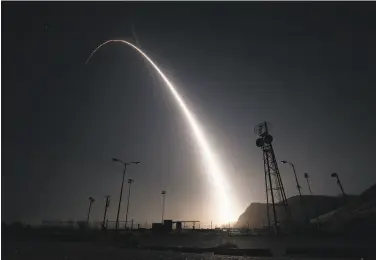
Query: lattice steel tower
[{"x": 275, "y": 193}]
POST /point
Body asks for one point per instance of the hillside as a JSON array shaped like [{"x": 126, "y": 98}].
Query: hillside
[
  {"x": 255, "y": 215},
  {"x": 353, "y": 214},
  {"x": 357, "y": 216}
]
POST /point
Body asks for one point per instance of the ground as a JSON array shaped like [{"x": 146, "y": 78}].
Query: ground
[{"x": 42, "y": 250}]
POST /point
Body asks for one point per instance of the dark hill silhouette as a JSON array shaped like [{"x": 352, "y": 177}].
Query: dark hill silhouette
[
  {"x": 358, "y": 216},
  {"x": 347, "y": 215},
  {"x": 255, "y": 215},
  {"x": 369, "y": 194}
]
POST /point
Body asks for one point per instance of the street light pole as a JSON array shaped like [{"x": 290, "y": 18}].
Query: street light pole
[
  {"x": 306, "y": 176},
  {"x": 298, "y": 187},
  {"x": 121, "y": 189},
  {"x": 105, "y": 211},
  {"x": 335, "y": 175},
  {"x": 91, "y": 199},
  {"x": 130, "y": 181},
  {"x": 309, "y": 185},
  {"x": 296, "y": 178},
  {"x": 121, "y": 195},
  {"x": 163, "y": 203}
]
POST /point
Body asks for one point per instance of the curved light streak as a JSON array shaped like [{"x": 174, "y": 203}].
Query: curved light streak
[{"x": 223, "y": 200}]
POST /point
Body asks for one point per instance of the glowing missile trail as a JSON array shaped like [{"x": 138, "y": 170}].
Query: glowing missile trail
[{"x": 222, "y": 195}]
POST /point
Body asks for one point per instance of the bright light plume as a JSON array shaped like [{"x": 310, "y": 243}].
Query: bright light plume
[{"x": 224, "y": 207}]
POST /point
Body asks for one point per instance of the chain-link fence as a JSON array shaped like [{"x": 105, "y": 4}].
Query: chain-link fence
[
  {"x": 111, "y": 225},
  {"x": 130, "y": 225}
]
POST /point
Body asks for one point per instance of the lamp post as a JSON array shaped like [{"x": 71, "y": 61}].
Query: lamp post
[
  {"x": 91, "y": 199},
  {"x": 335, "y": 175},
  {"x": 121, "y": 189},
  {"x": 105, "y": 211},
  {"x": 298, "y": 187},
  {"x": 163, "y": 203},
  {"x": 130, "y": 181},
  {"x": 306, "y": 176},
  {"x": 296, "y": 178}
]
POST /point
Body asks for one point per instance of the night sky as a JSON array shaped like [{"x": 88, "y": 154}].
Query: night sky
[{"x": 309, "y": 69}]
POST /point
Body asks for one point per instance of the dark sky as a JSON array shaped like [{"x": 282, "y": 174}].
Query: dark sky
[{"x": 308, "y": 68}]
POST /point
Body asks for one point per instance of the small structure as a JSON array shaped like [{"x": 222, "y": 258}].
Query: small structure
[
  {"x": 156, "y": 226},
  {"x": 167, "y": 225},
  {"x": 178, "y": 225},
  {"x": 181, "y": 223}
]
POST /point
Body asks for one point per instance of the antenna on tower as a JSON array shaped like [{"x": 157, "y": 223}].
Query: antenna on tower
[{"x": 273, "y": 182}]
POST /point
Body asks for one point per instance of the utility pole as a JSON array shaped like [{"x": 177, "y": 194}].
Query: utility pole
[
  {"x": 163, "y": 204},
  {"x": 91, "y": 199},
  {"x": 105, "y": 211},
  {"x": 130, "y": 181}
]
